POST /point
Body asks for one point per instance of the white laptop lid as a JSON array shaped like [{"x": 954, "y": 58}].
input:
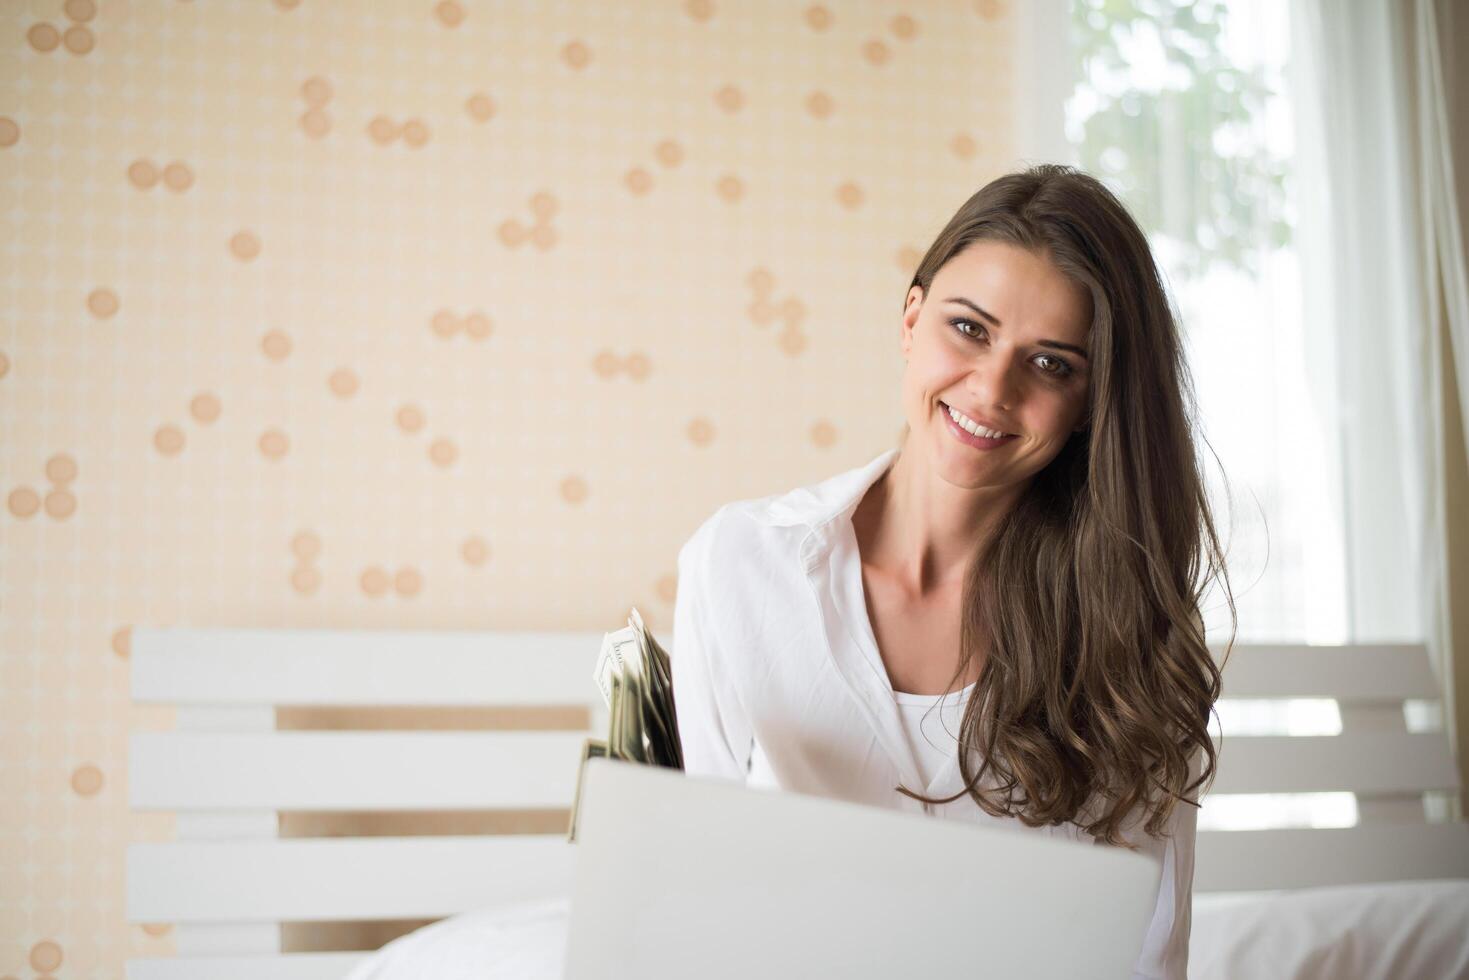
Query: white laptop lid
[{"x": 681, "y": 877}]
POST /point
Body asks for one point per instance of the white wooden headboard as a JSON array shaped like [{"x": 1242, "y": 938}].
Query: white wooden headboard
[
  {"x": 1375, "y": 757},
  {"x": 228, "y": 882}
]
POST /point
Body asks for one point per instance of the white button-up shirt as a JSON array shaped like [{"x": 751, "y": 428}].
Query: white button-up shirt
[{"x": 778, "y": 682}]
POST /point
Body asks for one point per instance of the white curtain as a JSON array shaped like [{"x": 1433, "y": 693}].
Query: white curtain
[{"x": 1382, "y": 256}]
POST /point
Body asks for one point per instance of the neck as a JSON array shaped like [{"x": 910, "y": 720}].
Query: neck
[{"x": 923, "y": 531}]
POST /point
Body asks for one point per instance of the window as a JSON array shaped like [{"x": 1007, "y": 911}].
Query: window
[{"x": 1184, "y": 110}]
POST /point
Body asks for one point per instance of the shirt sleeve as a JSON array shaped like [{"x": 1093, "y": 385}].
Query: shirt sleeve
[
  {"x": 1164, "y": 953},
  {"x": 1165, "y": 949},
  {"x": 713, "y": 729}
]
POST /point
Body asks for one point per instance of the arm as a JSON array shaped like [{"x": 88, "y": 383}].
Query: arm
[
  {"x": 714, "y": 731},
  {"x": 1165, "y": 947}
]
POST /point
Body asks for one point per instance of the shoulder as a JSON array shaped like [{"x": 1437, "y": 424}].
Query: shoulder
[
  {"x": 739, "y": 532},
  {"x": 730, "y": 569},
  {"x": 770, "y": 530}
]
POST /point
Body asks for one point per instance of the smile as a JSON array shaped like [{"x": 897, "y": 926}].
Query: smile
[{"x": 969, "y": 438}]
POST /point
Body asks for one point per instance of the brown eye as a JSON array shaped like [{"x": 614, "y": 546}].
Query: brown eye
[
  {"x": 1061, "y": 368},
  {"x": 959, "y": 324}
]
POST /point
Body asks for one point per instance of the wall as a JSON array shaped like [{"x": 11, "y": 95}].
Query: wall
[{"x": 415, "y": 315}]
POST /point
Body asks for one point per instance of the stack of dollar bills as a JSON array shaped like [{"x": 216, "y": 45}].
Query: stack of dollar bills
[{"x": 636, "y": 682}]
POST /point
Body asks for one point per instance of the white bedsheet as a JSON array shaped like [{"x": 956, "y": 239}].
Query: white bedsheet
[
  {"x": 1402, "y": 930},
  {"x": 1396, "y": 931}
]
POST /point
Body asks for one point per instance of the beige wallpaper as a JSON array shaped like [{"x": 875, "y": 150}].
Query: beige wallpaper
[{"x": 416, "y": 315}]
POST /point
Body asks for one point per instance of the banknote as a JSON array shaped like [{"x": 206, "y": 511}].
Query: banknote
[{"x": 635, "y": 677}]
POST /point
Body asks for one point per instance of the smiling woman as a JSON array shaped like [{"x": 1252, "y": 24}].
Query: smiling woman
[
  {"x": 1052, "y": 464},
  {"x": 1032, "y": 555}
]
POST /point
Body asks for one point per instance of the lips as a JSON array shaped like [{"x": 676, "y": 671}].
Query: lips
[
  {"x": 981, "y": 443},
  {"x": 984, "y": 422}
]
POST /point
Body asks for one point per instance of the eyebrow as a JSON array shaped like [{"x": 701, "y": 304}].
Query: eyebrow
[{"x": 1058, "y": 345}]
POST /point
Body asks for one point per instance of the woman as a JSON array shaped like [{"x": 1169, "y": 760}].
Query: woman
[{"x": 1029, "y": 559}]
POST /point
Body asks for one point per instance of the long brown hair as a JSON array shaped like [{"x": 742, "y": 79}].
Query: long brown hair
[{"x": 1097, "y": 685}]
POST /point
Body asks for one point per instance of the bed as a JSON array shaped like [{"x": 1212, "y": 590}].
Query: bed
[{"x": 1387, "y": 897}]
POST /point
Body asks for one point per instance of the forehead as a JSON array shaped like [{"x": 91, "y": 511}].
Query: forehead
[{"x": 1024, "y": 290}]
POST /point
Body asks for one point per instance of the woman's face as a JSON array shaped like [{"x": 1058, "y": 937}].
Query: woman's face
[{"x": 1020, "y": 370}]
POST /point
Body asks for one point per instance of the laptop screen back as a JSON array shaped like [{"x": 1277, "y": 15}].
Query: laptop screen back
[{"x": 681, "y": 877}]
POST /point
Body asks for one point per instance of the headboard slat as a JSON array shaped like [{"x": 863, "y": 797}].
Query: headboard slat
[
  {"x": 1254, "y": 860},
  {"x": 357, "y": 770},
  {"x": 1362, "y": 672},
  {"x": 362, "y": 667},
  {"x": 341, "y": 879},
  {"x": 536, "y": 770},
  {"x": 1370, "y": 762}
]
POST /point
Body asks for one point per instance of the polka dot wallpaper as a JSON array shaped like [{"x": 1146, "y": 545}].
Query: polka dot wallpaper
[{"x": 394, "y": 313}]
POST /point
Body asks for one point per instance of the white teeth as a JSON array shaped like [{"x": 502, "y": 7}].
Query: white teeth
[{"x": 969, "y": 425}]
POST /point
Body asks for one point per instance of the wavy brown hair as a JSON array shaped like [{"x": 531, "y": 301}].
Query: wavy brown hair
[{"x": 1097, "y": 686}]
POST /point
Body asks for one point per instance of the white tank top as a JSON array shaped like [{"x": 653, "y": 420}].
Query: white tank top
[{"x": 931, "y": 722}]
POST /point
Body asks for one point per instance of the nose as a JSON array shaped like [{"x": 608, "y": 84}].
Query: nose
[{"x": 993, "y": 380}]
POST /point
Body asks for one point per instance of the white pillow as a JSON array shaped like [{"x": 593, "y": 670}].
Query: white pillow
[
  {"x": 1383, "y": 931},
  {"x": 519, "y": 941}
]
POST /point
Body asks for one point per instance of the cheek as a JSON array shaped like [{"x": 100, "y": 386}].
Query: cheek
[
  {"x": 1076, "y": 405},
  {"x": 1057, "y": 413},
  {"x": 939, "y": 368},
  {"x": 929, "y": 372}
]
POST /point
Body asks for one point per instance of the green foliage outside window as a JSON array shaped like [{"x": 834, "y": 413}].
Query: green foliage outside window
[{"x": 1185, "y": 155}]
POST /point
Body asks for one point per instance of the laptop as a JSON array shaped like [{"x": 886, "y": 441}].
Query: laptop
[{"x": 679, "y": 876}]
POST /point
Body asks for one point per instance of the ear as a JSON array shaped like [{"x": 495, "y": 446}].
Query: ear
[{"x": 911, "y": 310}]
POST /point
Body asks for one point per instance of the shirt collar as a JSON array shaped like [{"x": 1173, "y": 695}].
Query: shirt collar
[
  {"x": 820, "y": 503},
  {"x": 832, "y": 565}
]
